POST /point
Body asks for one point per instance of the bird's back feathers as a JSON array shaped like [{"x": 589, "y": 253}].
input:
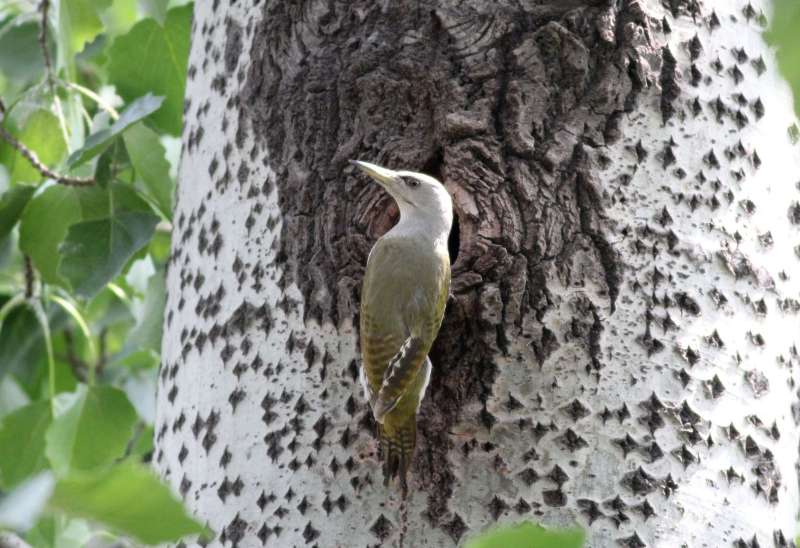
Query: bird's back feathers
[{"x": 402, "y": 304}]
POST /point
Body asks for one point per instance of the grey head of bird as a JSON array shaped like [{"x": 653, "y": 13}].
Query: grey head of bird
[{"x": 424, "y": 203}]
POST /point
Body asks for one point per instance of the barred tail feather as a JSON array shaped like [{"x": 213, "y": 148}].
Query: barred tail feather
[{"x": 397, "y": 442}]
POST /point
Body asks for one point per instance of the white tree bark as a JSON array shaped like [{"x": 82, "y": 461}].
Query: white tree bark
[{"x": 620, "y": 350}]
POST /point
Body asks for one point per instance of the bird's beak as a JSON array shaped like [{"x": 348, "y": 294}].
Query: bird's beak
[{"x": 380, "y": 174}]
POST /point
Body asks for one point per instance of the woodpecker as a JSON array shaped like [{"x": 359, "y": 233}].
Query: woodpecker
[{"x": 405, "y": 290}]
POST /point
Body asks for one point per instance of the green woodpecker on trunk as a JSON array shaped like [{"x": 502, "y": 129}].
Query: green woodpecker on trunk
[{"x": 405, "y": 291}]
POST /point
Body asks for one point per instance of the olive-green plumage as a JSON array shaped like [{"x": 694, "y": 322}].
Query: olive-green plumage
[
  {"x": 403, "y": 300},
  {"x": 406, "y": 285}
]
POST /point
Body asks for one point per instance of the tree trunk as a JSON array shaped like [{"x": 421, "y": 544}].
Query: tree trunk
[{"x": 619, "y": 349}]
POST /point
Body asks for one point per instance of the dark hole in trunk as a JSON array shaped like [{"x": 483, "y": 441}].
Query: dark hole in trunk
[
  {"x": 433, "y": 167},
  {"x": 454, "y": 240}
]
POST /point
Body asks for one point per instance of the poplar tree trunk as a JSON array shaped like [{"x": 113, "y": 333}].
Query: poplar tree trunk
[{"x": 620, "y": 348}]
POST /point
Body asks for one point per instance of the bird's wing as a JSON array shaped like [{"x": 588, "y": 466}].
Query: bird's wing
[
  {"x": 399, "y": 374},
  {"x": 424, "y": 312},
  {"x": 382, "y": 329}
]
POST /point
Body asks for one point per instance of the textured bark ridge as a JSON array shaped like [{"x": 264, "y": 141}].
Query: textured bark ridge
[{"x": 619, "y": 350}]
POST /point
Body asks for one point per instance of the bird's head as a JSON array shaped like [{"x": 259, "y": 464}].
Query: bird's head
[{"x": 419, "y": 197}]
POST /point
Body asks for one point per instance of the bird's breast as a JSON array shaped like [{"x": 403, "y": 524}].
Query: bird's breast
[{"x": 400, "y": 273}]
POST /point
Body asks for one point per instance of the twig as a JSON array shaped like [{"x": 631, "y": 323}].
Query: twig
[
  {"x": 34, "y": 159},
  {"x": 102, "y": 354},
  {"x": 96, "y": 98},
  {"x": 78, "y": 366},
  {"x": 40, "y": 167},
  {"x": 30, "y": 277},
  {"x": 48, "y": 63}
]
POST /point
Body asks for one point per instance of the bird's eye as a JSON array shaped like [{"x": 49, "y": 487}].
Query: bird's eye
[{"x": 411, "y": 182}]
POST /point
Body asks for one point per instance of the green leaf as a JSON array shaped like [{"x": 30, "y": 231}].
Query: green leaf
[
  {"x": 22, "y": 443},
  {"x": 528, "y": 535},
  {"x": 143, "y": 446},
  {"x": 59, "y": 532},
  {"x": 21, "y": 342},
  {"x": 93, "y": 432},
  {"x": 160, "y": 246},
  {"x": 147, "y": 155},
  {"x": 143, "y": 359},
  {"x": 129, "y": 498},
  {"x": 146, "y": 335},
  {"x": 80, "y": 22},
  {"x": 44, "y": 533},
  {"x": 153, "y": 58},
  {"x": 22, "y": 346},
  {"x": 21, "y": 59},
  {"x": 12, "y": 202},
  {"x": 98, "y": 142},
  {"x": 95, "y": 252},
  {"x": 42, "y": 134},
  {"x": 108, "y": 310},
  {"x": 120, "y": 17},
  {"x": 95, "y": 202},
  {"x": 44, "y": 225},
  {"x": 75, "y": 122}
]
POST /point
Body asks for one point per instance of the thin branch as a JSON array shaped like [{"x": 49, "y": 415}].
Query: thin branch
[
  {"x": 34, "y": 159},
  {"x": 48, "y": 63},
  {"x": 40, "y": 167},
  {"x": 78, "y": 366},
  {"x": 102, "y": 354},
  {"x": 30, "y": 276},
  {"x": 96, "y": 98}
]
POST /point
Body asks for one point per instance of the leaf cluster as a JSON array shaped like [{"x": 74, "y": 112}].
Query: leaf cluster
[{"x": 91, "y": 96}]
